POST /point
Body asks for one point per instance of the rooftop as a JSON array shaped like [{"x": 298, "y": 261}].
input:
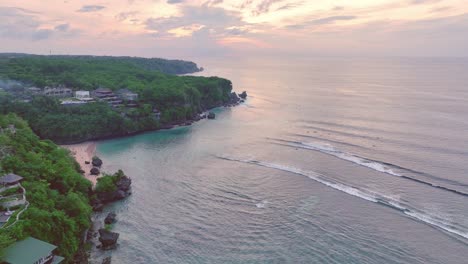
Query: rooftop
[
  {"x": 103, "y": 90},
  {"x": 10, "y": 178},
  {"x": 28, "y": 250}
]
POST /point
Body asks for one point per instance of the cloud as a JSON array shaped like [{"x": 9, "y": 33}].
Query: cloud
[
  {"x": 42, "y": 34},
  {"x": 126, "y": 15},
  {"x": 289, "y": 6},
  {"x": 90, "y": 8},
  {"x": 419, "y": 2},
  {"x": 213, "y": 19},
  {"x": 62, "y": 27},
  {"x": 265, "y": 5},
  {"x": 322, "y": 21},
  {"x": 171, "y": 2},
  {"x": 22, "y": 24}
]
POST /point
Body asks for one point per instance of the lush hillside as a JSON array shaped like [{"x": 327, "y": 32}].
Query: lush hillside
[
  {"x": 178, "y": 98},
  {"x": 152, "y": 64},
  {"x": 58, "y": 209},
  {"x": 63, "y": 124}
]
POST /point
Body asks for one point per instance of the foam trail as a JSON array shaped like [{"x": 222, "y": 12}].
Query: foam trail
[
  {"x": 330, "y": 150},
  {"x": 373, "y": 164},
  {"x": 431, "y": 220}
]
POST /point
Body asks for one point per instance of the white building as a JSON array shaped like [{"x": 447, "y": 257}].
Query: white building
[{"x": 83, "y": 96}]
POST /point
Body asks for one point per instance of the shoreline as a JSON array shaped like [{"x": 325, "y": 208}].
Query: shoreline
[{"x": 82, "y": 153}]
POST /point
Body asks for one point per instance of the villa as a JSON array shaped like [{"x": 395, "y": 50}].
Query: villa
[
  {"x": 127, "y": 95},
  {"x": 83, "y": 96},
  {"x": 31, "y": 251},
  {"x": 58, "y": 92}
]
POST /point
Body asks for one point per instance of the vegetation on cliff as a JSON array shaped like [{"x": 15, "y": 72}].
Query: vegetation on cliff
[
  {"x": 178, "y": 98},
  {"x": 59, "y": 209}
]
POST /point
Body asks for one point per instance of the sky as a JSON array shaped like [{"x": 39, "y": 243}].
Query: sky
[{"x": 227, "y": 28}]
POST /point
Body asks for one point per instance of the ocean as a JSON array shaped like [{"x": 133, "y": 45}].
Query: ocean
[{"x": 330, "y": 160}]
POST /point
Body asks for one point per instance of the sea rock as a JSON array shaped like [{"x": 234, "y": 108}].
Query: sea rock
[
  {"x": 94, "y": 171},
  {"x": 107, "y": 260},
  {"x": 124, "y": 183},
  {"x": 81, "y": 171},
  {"x": 122, "y": 191},
  {"x": 98, "y": 207},
  {"x": 243, "y": 95},
  {"x": 233, "y": 99},
  {"x": 119, "y": 195},
  {"x": 87, "y": 162},
  {"x": 107, "y": 238},
  {"x": 110, "y": 218},
  {"x": 97, "y": 162},
  {"x": 211, "y": 115}
]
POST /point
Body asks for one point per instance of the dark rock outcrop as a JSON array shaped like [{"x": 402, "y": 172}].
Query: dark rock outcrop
[
  {"x": 211, "y": 115},
  {"x": 97, "y": 162},
  {"x": 243, "y": 95},
  {"x": 124, "y": 183},
  {"x": 107, "y": 238},
  {"x": 110, "y": 218},
  {"x": 87, "y": 162},
  {"x": 94, "y": 171},
  {"x": 234, "y": 99},
  {"x": 107, "y": 260},
  {"x": 97, "y": 207},
  {"x": 122, "y": 191}
]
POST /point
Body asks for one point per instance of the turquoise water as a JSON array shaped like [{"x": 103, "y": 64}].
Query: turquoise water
[{"x": 328, "y": 161}]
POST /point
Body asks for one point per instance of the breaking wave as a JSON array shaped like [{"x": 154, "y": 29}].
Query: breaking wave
[
  {"x": 433, "y": 220},
  {"x": 384, "y": 167}
]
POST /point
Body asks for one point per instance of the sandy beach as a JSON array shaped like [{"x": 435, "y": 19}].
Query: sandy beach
[{"x": 84, "y": 152}]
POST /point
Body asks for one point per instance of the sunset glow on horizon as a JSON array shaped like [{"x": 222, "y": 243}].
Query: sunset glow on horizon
[{"x": 177, "y": 27}]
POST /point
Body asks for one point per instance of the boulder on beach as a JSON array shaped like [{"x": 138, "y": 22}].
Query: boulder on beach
[
  {"x": 94, "y": 171},
  {"x": 211, "y": 115},
  {"x": 87, "y": 162},
  {"x": 243, "y": 95},
  {"x": 97, "y": 162},
  {"x": 110, "y": 218},
  {"x": 107, "y": 238}
]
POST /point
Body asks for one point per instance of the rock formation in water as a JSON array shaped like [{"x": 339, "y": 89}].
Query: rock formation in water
[
  {"x": 243, "y": 95},
  {"x": 110, "y": 218},
  {"x": 107, "y": 238}
]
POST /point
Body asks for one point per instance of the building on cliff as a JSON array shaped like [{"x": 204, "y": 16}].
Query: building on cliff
[{"x": 31, "y": 251}]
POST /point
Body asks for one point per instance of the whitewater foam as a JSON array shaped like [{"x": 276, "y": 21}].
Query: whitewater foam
[
  {"x": 372, "y": 164},
  {"x": 419, "y": 215},
  {"x": 261, "y": 204},
  {"x": 330, "y": 150}
]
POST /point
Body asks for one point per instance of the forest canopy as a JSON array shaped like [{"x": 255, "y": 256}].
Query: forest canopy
[
  {"x": 59, "y": 209},
  {"x": 177, "y": 98}
]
